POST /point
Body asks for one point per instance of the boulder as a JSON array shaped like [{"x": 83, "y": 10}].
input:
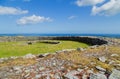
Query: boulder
[
  {"x": 115, "y": 74},
  {"x": 97, "y": 76}
]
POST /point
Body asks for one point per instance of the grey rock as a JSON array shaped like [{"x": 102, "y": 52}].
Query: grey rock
[
  {"x": 57, "y": 76},
  {"x": 46, "y": 54},
  {"x": 90, "y": 71},
  {"x": 29, "y": 56},
  {"x": 100, "y": 68},
  {"x": 92, "y": 47},
  {"x": 114, "y": 55},
  {"x": 17, "y": 68},
  {"x": 102, "y": 59},
  {"x": 80, "y": 49},
  {"x": 97, "y": 76},
  {"x": 85, "y": 76},
  {"x": 71, "y": 75},
  {"x": 37, "y": 76},
  {"x": 13, "y": 57},
  {"x": 1, "y": 60},
  {"x": 115, "y": 74},
  {"x": 41, "y": 68},
  {"x": 111, "y": 62}
]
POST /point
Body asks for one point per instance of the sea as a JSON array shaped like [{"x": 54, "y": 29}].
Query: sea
[{"x": 33, "y": 34}]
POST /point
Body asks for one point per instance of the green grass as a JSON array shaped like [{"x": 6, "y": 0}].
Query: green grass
[{"x": 21, "y": 48}]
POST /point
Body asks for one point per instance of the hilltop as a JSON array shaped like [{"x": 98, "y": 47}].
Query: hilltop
[{"x": 101, "y": 60}]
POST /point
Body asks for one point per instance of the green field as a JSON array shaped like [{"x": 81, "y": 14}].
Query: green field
[{"x": 21, "y": 48}]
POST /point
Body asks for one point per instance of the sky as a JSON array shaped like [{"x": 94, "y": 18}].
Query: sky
[{"x": 60, "y": 16}]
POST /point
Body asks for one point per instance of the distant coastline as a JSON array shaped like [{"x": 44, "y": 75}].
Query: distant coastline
[{"x": 33, "y": 34}]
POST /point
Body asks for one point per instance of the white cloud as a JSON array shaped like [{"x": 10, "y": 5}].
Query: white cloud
[
  {"x": 11, "y": 10},
  {"x": 110, "y": 8},
  {"x": 88, "y": 2},
  {"x": 33, "y": 20},
  {"x": 72, "y": 17}
]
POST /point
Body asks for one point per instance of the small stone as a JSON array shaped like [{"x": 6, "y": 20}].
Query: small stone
[
  {"x": 102, "y": 59},
  {"x": 46, "y": 54},
  {"x": 100, "y": 68},
  {"x": 114, "y": 55},
  {"x": 85, "y": 76},
  {"x": 17, "y": 68},
  {"x": 79, "y": 70},
  {"x": 37, "y": 76},
  {"x": 54, "y": 64},
  {"x": 89, "y": 71},
  {"x": 80, "y": 49},
  {"x": 111, "y": 62},
  {"x": 97, "y": 76},
  {"x": 27, "y": 71},
  {"x": 41, "y": 68},
  {"x": 29, "y": 56},
  {"x": 71, "y": 75},
  {"x": 57, "y": 76},
  {"x": 27, "y": 75},
  {"x": 1, "y": 60},
  {"x": 92, "y": 47}
]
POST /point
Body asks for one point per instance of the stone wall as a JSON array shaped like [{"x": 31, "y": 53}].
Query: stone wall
[{"x": 88, "y": 40}]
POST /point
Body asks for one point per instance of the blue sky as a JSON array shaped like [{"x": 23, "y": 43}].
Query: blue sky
[{"x": 60, "y": 16}]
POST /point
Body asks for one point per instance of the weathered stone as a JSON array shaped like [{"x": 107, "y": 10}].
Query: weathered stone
[
  {"x": 29, "y": 56},
  {"x": 46, "y": 54},
  {"x": 111, "y": 62},
  {"x": 1, "y": 60},
  {"x": 85, "y": 76},
  {"x": 100, "y": 68},
  {"x": 97, "y": 76},
  {"x": 114, "y": 55},
  {"x": 17, "y": 68},
  {"x": 102, "y": 59},
  {"x": 71, "y": 75},
  {"x": 95, "y": 46},
  {"x": 80, "y": 49},
  {"x": 57, "y": 76},
  {"x": 115, "y": 74},
  {"x": 41, "y": 68},
  {"x": 89, "y": 71},
  {"x": 37, "y": 76}
]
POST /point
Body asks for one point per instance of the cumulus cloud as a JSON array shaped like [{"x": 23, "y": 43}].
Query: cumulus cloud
[
  {"x": 72, "y": 17},
  {"x": 106, "y": 7},
  {"x": 11, "y": 10},
  {"x": 110, "y": 8},
  {"x": 88, "y": 2},
  {"x": 33, "y": 20}
]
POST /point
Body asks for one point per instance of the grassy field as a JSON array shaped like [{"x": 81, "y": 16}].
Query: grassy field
[{"x": 21, "y": 48}]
